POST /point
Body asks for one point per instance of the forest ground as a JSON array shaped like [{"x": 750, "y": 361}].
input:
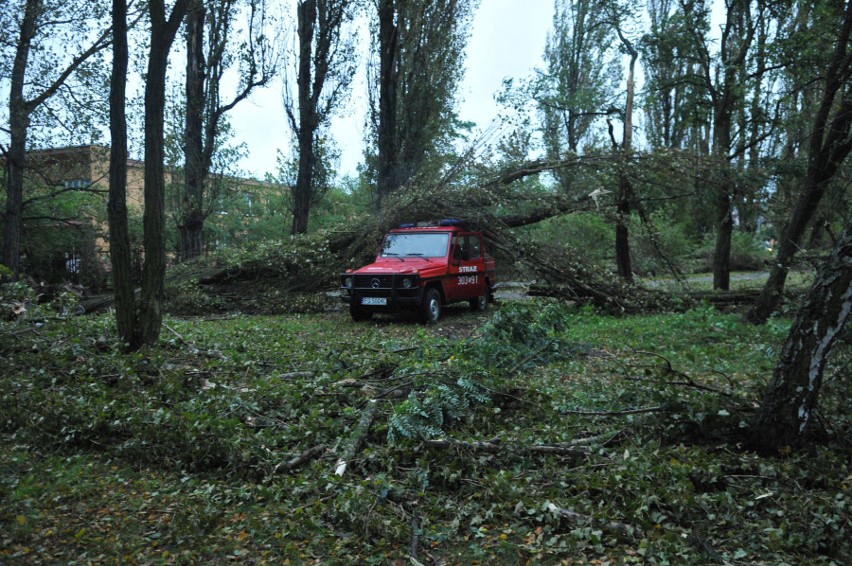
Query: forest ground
[{"x": 533, "y": 433}]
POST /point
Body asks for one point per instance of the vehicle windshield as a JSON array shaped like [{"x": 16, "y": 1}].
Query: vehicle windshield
[{"x": 421, "y": 244}]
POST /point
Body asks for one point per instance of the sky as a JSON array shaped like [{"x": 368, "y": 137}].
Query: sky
[{"x": 507, "y": 40}]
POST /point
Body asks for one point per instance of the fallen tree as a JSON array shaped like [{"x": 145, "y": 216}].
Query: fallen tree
[{"x": 494, "y": 203}]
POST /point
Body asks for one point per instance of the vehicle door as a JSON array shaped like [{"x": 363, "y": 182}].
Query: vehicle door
[{"x": 467, "y": 268}]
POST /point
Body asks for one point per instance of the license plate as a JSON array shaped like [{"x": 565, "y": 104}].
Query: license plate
[{"x": 374, "y": 301}]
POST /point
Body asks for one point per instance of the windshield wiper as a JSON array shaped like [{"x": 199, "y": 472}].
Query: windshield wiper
[{"x": 392, "y": 254}]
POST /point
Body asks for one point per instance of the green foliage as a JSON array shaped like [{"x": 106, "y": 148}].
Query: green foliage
[
  {"x": 517, "y": 338},
  {"x": 20, "y": 302},
  {"x": 671, "y": 239},
  {"x": 585, "y": 231},
  {"x": 245, "y": 214},
  {"x": 186, "y": 296},
  {"x": 579, "y": 81},
  {"x": 273, "y": 276},
  {"x": 60, "y": 238},
  {"x": 171, "y": 453}
]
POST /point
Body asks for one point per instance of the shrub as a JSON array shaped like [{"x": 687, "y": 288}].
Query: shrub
[{"x": 748, "y": 252}]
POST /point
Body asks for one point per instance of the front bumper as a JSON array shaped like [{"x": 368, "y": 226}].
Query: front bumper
[{"x": 381, "y": 293}]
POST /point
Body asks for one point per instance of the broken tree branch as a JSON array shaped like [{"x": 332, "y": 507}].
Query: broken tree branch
[
  {"x": 301, "y": 459},
  {"x": 687, "y": 380},
  {"x": 496, "y": 447},
  {"x": 620, "y": 530},
  {"x": 356, "y": 439},
  {"x": 614, "y": 413}
]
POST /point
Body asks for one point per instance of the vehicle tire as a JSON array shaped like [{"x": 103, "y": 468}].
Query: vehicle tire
[
  {"x": 430, "y": 308},
  {"x": 480, "y": 303},
  {"x": 357, "y": 314}
]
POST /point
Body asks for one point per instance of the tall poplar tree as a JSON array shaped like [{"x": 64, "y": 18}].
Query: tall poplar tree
[
  {"x": 325, "y": 67},
  {"x": 119, "y": 233},
  {"x": 164, "y": 28},
  {"x": 720, "y": 74},
  {"x": 212, "y": 49},
  {"x": 578, "y": 83},
  {"x": 420, "y": 46}
]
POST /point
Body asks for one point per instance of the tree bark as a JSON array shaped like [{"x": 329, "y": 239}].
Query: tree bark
[
  {"x": 192, "y": 212},
  {"x": 306, "y": 13},
  {"x": 830, "y": 144},
  {"x": 737, "y": 36},
  {"x": 388, "y": 151},
  {"x": 724, "y": 194},
  {"x": 786, "y": 415},
  {"x": 356, "y": 439},
  {"x": 625, "y": 190},
  {"x": 323, "y": 77},
  {"x": 153, "y": 274},
  {"x": 205, "y": 108},
  {"x": 119, "y": 239},
  {"x": 19, "y": 113}
]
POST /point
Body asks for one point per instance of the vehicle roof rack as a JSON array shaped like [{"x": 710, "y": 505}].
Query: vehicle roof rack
[{"x": 443, "y": 223}]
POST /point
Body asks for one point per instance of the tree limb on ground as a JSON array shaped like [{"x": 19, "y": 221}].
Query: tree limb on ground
[
  {"x": 356, "y": 439},
  {"x": 497, "y": 447},
  {"x": 613, "y": 413},
  {"x": 301, "y": 459},
  {"x": 623, "y": 531}
]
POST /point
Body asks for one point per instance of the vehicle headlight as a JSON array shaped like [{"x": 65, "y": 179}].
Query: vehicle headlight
[
  {"x": 407, "y": 283},
  {"x": 347, "y": 282}
]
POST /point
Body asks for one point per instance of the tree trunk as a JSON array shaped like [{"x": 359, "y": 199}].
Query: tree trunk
[
  {"x": 724, "y": 198},
  {"x": 622, "y": 239},
  {"x": 388, "y": 156},
  {"x": 736, "y": 41},
  {"x": 192, "y": 212},
  {"x": 771, "y": 295},
  {"x": 306, "y": 12},
  {"x": 119, "y": 239},
  {"x": 19, "y": 115},
  {"x": 722, "y": 249},
  {"x": 622, "y": 232},
  {"x": 830, "y": 144},
  {"x": 786, "y": 415},
  {"x": 153, "y": 286}
]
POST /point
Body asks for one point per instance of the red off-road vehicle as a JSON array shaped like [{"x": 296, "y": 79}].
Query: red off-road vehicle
[{"x": 422, "y": 267}]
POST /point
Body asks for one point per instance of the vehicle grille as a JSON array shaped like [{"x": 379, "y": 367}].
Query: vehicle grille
[{"x": 374, "y": 281}]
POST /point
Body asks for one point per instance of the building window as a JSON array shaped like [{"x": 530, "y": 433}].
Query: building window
[{"x": 77, "y": 184}]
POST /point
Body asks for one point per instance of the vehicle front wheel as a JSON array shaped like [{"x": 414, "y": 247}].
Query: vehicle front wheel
[
  {"x": 357, "y": 314},
  {"x": 430, "y": 308},
  {"x": 480, "y": 303}
]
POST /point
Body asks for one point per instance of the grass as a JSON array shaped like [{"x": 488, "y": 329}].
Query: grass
[
  {"x": 740, "y": 281},
  {"x": 169, "y": 455}
]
